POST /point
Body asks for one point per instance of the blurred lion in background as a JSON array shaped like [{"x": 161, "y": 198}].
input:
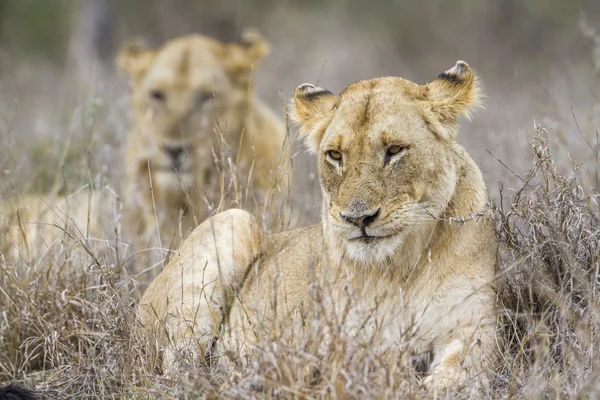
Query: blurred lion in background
[
  {"x": 406, "y": 238},
  {"x": 200, "y": 136},
  {"x": 84, "y": 224}
]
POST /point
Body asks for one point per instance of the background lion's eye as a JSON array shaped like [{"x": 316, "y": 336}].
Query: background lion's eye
[
  {"x": 336, "y": 155},
  {"x": 158, "y": 95},
  {"x": 395, "y": 149},
  {"x": 204, "y": 96}
]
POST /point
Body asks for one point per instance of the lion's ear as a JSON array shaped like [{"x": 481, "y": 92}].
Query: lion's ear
[
  {"x": 254, "y": 45},
  {"x": 240, "y": 58},
  {"x": 310, "y": 109},
  {"x": 455, "y": 92},
  {"x": 135, "y": 58}
]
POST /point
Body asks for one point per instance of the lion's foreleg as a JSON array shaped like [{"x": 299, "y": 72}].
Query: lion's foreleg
[
  {"x": 199, "y": 283},
  {"x": 463, "y": 353}
]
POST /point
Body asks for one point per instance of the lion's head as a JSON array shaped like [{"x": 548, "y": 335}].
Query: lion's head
[
  {"x": 386, "y": 155},
  {"x": 180, "y": 93}
]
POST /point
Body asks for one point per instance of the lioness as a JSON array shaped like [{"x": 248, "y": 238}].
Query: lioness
[
  {"x": 404, "y": 226},
  {"x": 192, "y": 101}
]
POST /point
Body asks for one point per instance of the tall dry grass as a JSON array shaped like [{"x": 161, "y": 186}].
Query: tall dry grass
[
  {"x": 68, "y": 325},
  {"x": 549, "y": 232}
]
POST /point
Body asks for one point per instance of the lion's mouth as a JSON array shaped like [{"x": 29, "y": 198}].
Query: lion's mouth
[
  {"x": 367, "y": 239},
  {"x": 173, "y": 169}
]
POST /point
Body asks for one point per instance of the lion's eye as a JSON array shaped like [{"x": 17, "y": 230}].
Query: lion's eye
[
  {"x": 334, "y": 154},
  {"x": 395, "y": 149},
  {"x": 392, "y": 151},
  {"x": 205, "y": 96},
  {"x": 158, "y": 96}
]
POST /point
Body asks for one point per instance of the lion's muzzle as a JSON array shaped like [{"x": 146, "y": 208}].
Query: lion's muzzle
[{"x": 360, "y": 219}]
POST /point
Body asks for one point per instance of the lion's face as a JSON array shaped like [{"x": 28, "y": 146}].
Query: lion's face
[
  {"x": 181, "y": 93},
  {"x": 176, "y": 105},
  {"x": 382, "y": 173},
  {"x": 386, "y": 162}
]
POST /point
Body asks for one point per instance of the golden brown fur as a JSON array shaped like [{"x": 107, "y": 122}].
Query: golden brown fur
[
  {"x": 405, "y": 232},
  {"x": 33, "y": 226},
  {"x": 192, "y": 101}
]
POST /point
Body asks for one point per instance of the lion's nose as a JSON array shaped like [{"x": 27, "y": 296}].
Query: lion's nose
[
  {"x": 363, "y": 220},
  {"x": 174, "y": 151}
]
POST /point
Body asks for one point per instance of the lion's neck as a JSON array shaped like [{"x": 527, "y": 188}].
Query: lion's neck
[{"x": 470, "y": 195}]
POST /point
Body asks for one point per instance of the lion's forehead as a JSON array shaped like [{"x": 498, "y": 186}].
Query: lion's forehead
[
  {"x": 166, "y": 78},
  {"x": 375, "y": 120},
  {"x": 385, "y": 88},
  {"x": 202, "y": 69}
]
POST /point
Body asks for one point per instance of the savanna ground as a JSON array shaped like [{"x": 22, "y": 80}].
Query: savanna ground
[{"x": 68, "y": 322}]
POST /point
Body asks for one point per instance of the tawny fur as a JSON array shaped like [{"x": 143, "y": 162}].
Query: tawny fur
[
  {"x": 196, "y": 94},
  {"x": 425, "y": 268},
  {"x": 51, "y": 225}
]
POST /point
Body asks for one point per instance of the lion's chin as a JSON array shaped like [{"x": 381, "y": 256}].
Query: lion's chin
[
  {"x": 173, "y": 180},
  {"x": 372, "y": 250}
]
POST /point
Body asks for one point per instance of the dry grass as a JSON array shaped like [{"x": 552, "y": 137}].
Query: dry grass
[
  {"x": 550, "y": 236},
  {"x": 68, "y": 324}
]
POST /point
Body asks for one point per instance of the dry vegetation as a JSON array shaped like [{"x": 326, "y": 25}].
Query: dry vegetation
[
  {"x": 68, "y": 324},
  {"x": 550, "y": 237}
]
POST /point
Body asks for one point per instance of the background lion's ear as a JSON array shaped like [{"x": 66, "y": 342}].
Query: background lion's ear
[
  {"x": 310, "y": 109},
  {"x": 240, "y": 58},
  {"x": 135, "y": 58},
  {"x": 455, "y": 92},
  {"x": 256, "y": 46}
]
